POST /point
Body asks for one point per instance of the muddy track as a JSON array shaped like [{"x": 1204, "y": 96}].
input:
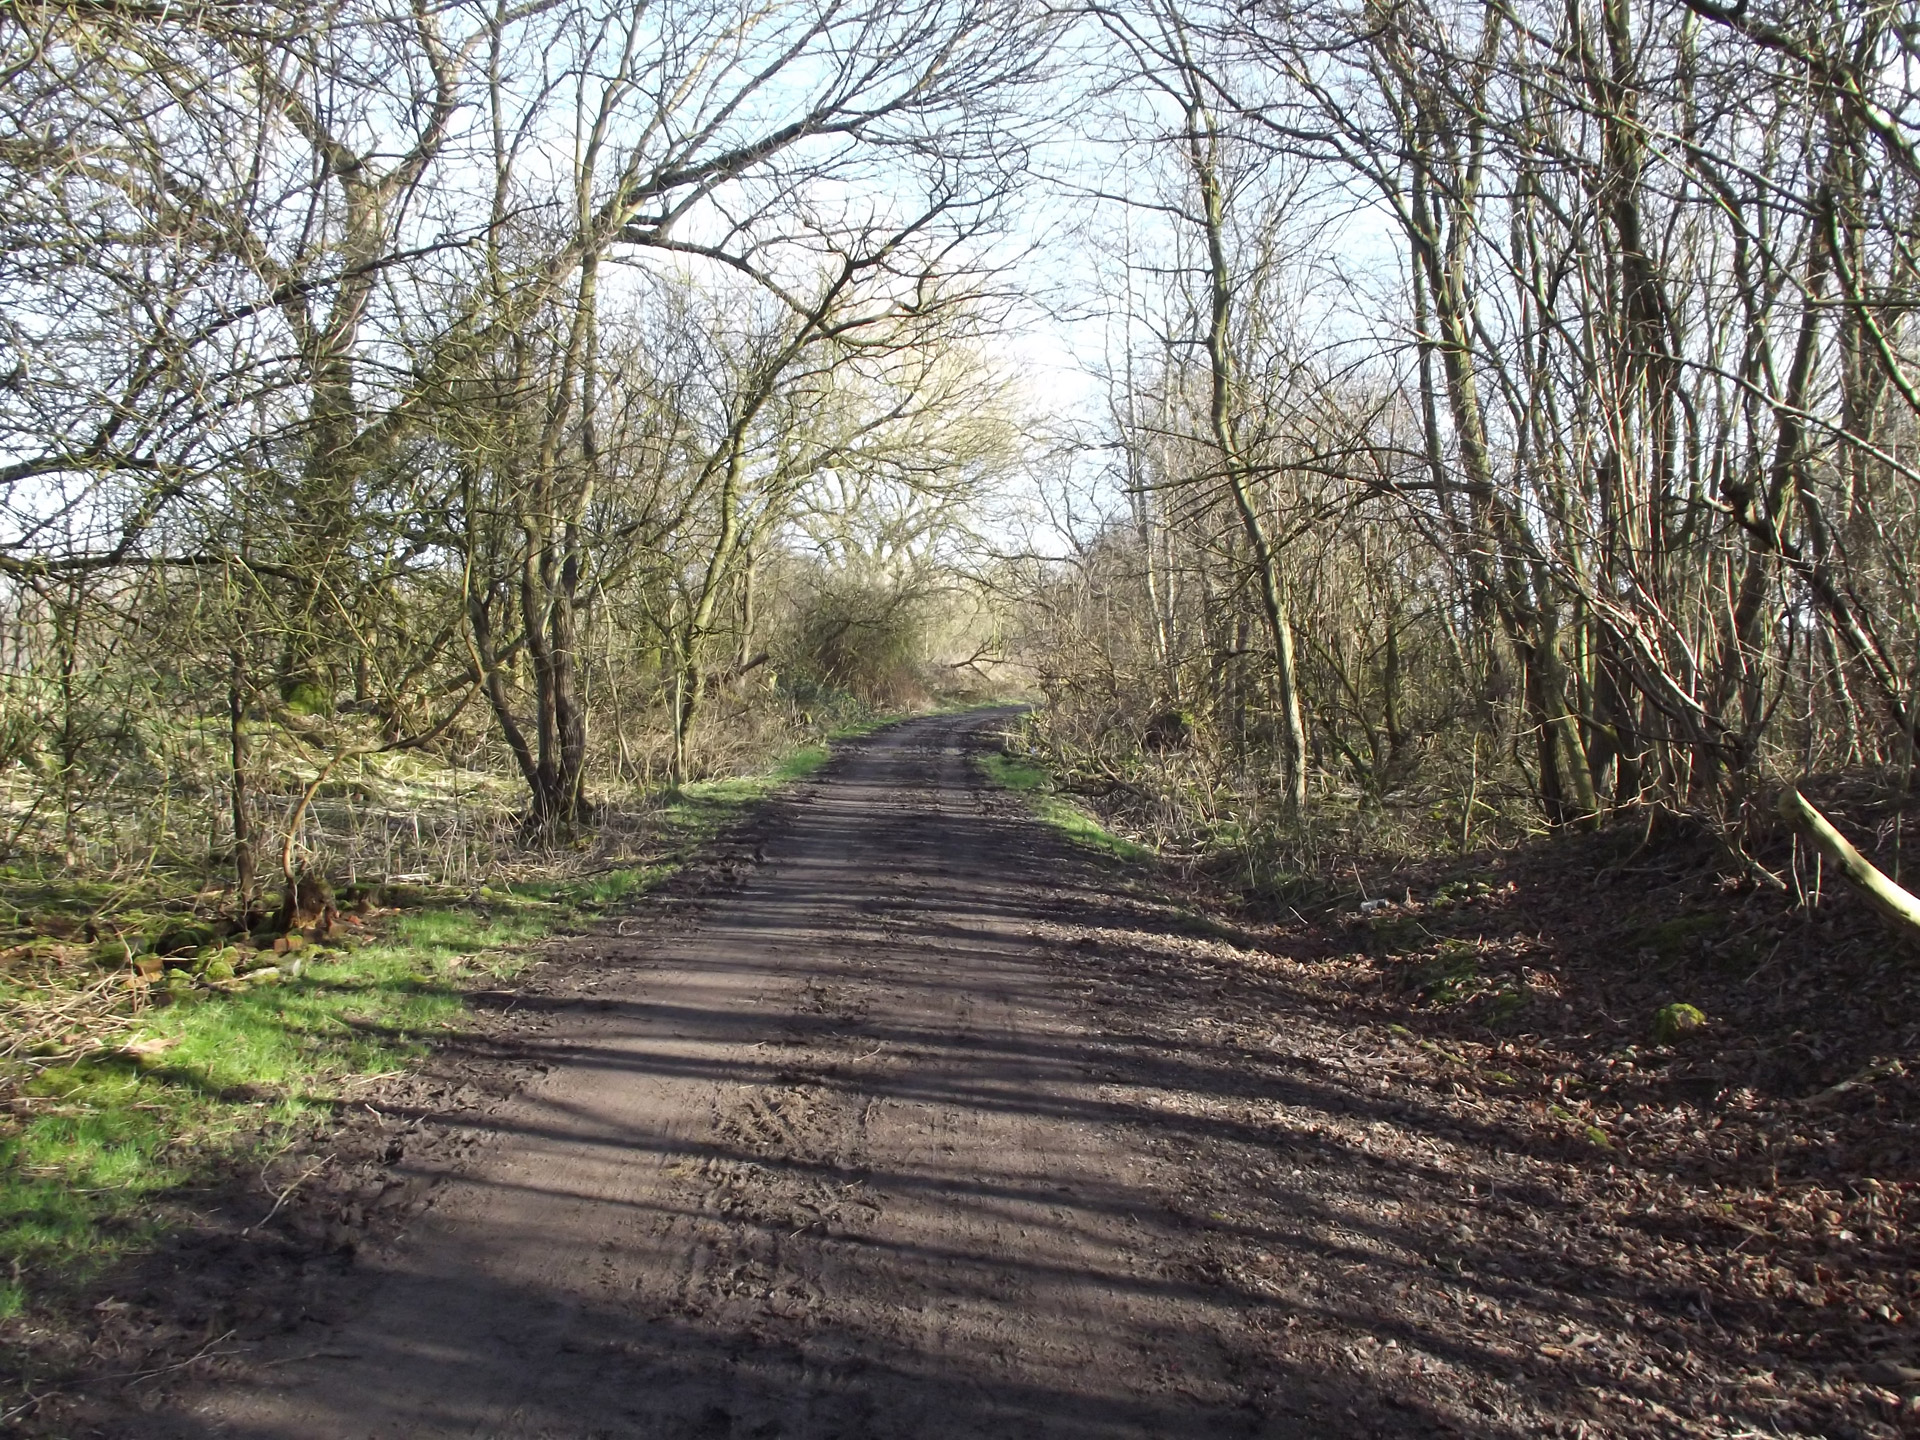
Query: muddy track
[{"x": 843, "y": 1159}]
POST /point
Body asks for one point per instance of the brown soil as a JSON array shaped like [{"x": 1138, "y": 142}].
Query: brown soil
[{"x": 932, "y": 1125}]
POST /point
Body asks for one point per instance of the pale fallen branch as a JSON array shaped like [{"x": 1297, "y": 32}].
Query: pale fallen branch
[
  {"x": 205, "y": 1352},
  {"x": 287, "y": 1194},
  {"x": 1899, "y": 906}
]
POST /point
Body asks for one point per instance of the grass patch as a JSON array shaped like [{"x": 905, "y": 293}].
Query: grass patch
[
  {"x": 208, "y": 1075},
  {"x": 700, "y": 809},
  {"x": 799, "y": 764},
  {"x": 579, "y": 897},
  {"x": 214, "y": 1076},
  {"x": 1033, "y": 784}
]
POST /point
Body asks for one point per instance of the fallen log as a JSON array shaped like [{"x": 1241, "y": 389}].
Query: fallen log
[{"x": 1899, "y": 906}]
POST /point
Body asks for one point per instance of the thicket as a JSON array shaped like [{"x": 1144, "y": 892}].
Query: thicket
[{"x": 1515, "y": 412}]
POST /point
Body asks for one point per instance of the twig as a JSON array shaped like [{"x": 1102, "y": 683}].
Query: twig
[
  {"x": 287, "y": 1194},
  {"x": 201, "y": 1354},
  {"x": 311, "y": 1355},
  {"x": 29, "y": 1403}
]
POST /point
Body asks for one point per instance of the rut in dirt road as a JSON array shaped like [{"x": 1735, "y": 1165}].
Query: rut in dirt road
[{"x": 843, "y": 1160}]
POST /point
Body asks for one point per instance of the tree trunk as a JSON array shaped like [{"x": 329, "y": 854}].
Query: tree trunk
[
  {"x": 243, "y": 837},
  {"x": 1202, "y": 143}
]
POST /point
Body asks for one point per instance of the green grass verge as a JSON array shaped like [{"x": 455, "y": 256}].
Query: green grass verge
[
  {"x": 1035, "y": 786},
  {"x": 214, "y": 1077}
]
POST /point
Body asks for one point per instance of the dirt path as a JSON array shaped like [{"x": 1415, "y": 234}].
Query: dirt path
[
  {"x": 844, "y": 1160},
  {"x": 937, "y": 1126}
]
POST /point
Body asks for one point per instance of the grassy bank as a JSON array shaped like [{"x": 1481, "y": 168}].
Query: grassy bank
[
  {"x": 129, "y": 1073},
  {"x": 1032, "y": 782}
]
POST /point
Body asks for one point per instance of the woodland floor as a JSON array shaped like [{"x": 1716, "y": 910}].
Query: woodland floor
[{"x": 904, "y": 1116}]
